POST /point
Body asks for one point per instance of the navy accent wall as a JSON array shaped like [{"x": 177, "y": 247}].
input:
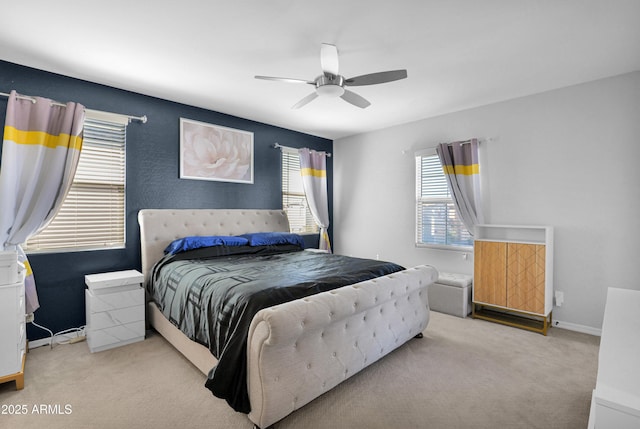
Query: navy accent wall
[{"x": 152, "y": 180}]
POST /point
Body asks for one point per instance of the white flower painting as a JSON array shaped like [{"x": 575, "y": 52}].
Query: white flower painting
[{"x": 212, "y": 152}]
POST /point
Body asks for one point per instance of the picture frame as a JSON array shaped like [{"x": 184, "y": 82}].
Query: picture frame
[{"x": 217, "y": 153}]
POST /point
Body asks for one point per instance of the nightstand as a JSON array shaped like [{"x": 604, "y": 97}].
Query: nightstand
[{"x": 115, "y": 309}]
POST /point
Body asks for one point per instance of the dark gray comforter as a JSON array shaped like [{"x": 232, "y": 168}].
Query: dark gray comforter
[{"x": 213, "y": 298}]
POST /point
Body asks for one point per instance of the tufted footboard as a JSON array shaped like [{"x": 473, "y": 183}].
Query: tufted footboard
[{"x": 303, "y": 348}]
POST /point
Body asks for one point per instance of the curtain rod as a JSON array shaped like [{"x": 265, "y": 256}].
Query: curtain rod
[
  {"x": 479, "y": 140},
  {"x": 142, "y": 119},
  {"x": 278, "y": 145},
  {"x": 431, "y": 149}
]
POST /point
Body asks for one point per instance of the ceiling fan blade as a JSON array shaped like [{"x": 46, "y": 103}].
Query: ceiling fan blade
[
  {"x": 329, "y": 59},
  {"x": 285, "y": 79},
  {"x": 375, "y": 78},
  {"x": 305, "y": 100},
  {"x": 355, "y": 99}
]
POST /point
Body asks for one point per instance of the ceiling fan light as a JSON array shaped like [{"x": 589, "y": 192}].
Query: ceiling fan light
[{"x": 330, "y": 90}]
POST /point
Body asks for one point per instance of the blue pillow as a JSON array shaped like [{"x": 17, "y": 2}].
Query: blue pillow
[
  {"x": 269, "y": 238},
  {"x": 196, "y": 242}
]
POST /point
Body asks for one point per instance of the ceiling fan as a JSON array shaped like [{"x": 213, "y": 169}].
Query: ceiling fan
[{"x": 331, "y": 83}]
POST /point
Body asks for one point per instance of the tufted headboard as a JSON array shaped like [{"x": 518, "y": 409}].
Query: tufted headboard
[{"x": 159, "y": 227}]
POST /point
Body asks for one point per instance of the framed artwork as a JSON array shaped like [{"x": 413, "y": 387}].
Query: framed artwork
[{"x": 212, "y": 152}]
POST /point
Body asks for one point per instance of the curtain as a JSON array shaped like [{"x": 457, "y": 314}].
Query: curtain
[
  {"x": 40, "y": 152},
  {"x": 462, "y": 170},
  {"x": 313, "y": 168}
]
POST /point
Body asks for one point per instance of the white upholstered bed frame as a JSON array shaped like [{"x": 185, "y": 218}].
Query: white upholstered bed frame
[{"x": 298, "y": 350}]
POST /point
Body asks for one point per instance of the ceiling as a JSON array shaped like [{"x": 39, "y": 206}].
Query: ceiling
[{"x": 458, "y": 54}]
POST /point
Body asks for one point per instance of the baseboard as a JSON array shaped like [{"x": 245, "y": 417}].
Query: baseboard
[
  {"x": 39, "y": 343},
  {"x": 578, "y": 328}
]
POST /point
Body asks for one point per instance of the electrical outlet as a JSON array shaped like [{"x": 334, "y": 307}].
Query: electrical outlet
[{"x": 559, "y": 298}]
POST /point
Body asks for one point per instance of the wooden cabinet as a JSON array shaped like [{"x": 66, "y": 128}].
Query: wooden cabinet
[{"x": 513, "y": 275}]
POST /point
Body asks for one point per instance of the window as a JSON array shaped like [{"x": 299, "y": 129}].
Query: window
[
  {"x": 92, "y": 215},
  {"x": 294, "y": 201},
  {"x": 438, "y": 223}
]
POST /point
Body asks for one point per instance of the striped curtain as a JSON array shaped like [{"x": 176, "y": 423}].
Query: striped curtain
[
  {"x": 462, "y": 170},
  {"x": 313, "y": 168},
  {"x": 40, "y": 152}
]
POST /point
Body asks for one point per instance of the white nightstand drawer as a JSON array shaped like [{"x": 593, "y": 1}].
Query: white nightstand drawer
[
  {"x": 114, "y": 301},
  {"x": 115, "y": 336},
  {"x": 120, "y": 316}
]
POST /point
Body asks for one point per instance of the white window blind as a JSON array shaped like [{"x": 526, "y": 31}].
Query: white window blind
[
  {"x": 438, "y": 223},
  {"x": 93, "y": 214},
  {"x": 294, "y": 201}
]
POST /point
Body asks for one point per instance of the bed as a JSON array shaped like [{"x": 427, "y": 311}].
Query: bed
[{"x": 297, "y": 350}]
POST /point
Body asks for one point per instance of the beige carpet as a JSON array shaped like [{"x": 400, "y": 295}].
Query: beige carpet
[{"x": 464, "y": 373}]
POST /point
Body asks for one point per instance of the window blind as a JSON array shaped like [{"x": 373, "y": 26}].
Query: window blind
[
  {"x": 437, "y": 222},
  {"x": 294, "y": 201},
  {"x": 92, "y": 215}
]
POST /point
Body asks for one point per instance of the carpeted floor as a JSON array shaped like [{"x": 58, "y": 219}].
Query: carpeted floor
[{"x": 464, "y": 373}]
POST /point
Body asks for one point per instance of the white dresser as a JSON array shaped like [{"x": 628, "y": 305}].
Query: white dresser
[
  {"x": 616, "y": 398},
  {"x": 13, "y": 335},
  {"x": 115, "y": 309}
]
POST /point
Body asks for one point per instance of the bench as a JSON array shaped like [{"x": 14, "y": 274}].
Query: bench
[{"x": 451, "y": 294}]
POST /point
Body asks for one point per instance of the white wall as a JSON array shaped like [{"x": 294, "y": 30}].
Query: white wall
[{"x": 569, "y": 158}]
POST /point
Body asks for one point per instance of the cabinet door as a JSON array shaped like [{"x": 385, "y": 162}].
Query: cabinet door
[
  {"x": 489, "y": 273},
  {"x": 526, "y": 277}
]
